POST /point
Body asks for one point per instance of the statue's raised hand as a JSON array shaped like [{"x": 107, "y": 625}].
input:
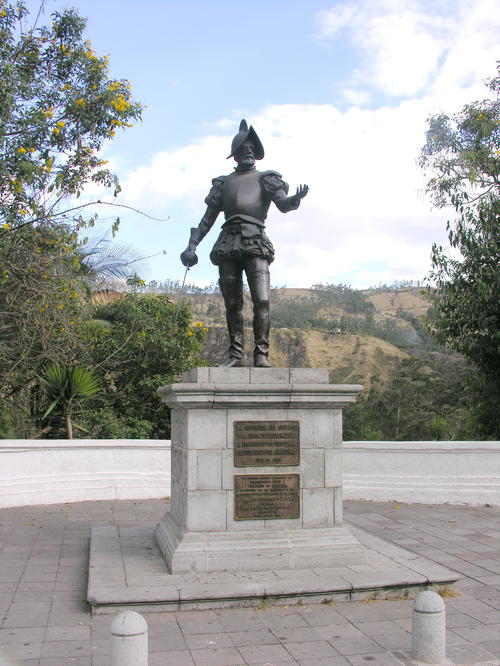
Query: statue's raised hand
[{"x": 301, "y": 192}]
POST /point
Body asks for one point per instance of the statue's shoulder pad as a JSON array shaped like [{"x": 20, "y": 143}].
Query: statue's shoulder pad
[
  {"x": 218, "y": 179},
  {"x": 270, "y": 172}
]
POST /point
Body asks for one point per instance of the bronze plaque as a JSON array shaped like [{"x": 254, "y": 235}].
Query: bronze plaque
[
  {"x": 264, "y": 496},
  {"x": 265, "y": 443}
]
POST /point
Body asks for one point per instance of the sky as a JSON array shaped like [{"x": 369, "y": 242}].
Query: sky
[{"x": 339, "y": 94}]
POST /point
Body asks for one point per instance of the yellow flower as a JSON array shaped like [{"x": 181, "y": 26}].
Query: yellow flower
[
  {"x": 21, "y": 150},
  {"x": 56, "y": 130},
  {"x": 60, "y": 123},
  {"x": 189, "y": 333},
  {"x": 5, "y": 225},
  {"x": 80, "y": 102},
  {"x": 120, "y": 103},
  {"x": 23, "y": 211}
]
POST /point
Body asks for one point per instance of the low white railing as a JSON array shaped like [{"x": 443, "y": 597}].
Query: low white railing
[
  {"x": 423, "y": 472},
  {"x": 55, "y": 471},
  {"x": 60, "y": 470}
]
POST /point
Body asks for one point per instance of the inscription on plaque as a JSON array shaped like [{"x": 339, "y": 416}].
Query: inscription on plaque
[
  {"x": 265, "y": 496},
  {"x": 264, "y": 443}
]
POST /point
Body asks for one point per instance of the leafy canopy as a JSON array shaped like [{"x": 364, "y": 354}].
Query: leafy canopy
[
  {"x": 57, "y": 107},
  {"x": 462, "y": 158}
]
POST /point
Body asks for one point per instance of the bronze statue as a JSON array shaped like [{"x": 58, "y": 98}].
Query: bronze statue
[{"x": 245, "y": 196}]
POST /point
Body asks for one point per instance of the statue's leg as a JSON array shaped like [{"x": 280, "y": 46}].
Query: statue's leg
[
  {"x": 257, "y": 270},
  {"x": 231, "y": 284}
]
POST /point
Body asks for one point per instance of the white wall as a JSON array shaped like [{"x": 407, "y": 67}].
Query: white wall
[
  {"x": 52, "y": 471},
  {"x": 423, "y": 472}
]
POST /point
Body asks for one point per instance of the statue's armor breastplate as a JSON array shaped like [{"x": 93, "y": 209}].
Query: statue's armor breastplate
[{"x": 243, "y": 195}]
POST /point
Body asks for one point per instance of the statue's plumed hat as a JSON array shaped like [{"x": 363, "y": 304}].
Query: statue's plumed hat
[{"x": 245, "y": 133}]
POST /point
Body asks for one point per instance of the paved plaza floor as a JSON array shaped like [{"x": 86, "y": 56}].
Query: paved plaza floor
[{"x": 45, "y": 619}]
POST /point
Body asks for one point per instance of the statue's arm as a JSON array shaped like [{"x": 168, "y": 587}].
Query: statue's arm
[
  {"x": 214, "y": 206},
  {"x": 286, "y": 204},
  {"x": 273, "y": 184},
  {"x": 188, "y": 257}
]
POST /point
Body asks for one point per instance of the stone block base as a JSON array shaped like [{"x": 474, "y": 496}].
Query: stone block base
[{"x": 256, "y": 550}]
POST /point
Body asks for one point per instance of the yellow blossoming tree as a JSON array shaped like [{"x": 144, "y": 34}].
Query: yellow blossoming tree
[{"x": 58, "y": 106}]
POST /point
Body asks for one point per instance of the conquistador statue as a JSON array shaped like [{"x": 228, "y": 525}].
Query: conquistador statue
[{"x": 245, "y": 196}]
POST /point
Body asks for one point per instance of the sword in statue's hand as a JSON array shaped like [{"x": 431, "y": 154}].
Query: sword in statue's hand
[{"x": 180, "y": 295}]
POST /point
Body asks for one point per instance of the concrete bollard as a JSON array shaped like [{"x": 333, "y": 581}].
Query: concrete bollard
[
  {"x": 129, "y": 638},
  {"x": 428, "y": 634}
]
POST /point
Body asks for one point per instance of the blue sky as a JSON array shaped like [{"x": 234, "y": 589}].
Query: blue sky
[{"x": 338, "y": 93}]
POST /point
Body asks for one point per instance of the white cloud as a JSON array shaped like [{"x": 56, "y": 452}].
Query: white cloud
[
  {"x": 365, "y": 219},
  {"x": 410, "y": 45},
  {"x": 364, "y": 216}
]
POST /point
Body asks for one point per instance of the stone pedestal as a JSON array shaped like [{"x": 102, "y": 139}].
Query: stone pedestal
[{"x": 203, "y": 532}]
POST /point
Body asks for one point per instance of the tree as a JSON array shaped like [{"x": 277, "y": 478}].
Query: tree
[
  {"x": 57, "y": 108},
  {"x": 462, "y": 158},
  {"x": 139, "y": 343}
]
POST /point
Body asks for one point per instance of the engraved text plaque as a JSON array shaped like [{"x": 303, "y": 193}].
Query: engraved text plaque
[
  {"x": 266, "y": 443},
  {"x": 265, "y": 496}
]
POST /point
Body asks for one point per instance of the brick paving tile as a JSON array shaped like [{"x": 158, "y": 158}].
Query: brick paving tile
[
  {"x": 479, "y": 634},
  {"x": 297, "y": 635},
  {"x": 320, "y": 615},
  {"x": 180, "y": 658},
  {"x": 380, "y": 628},
  {"x": 66, "y": 649},
  {"x": 66, "y": 661},
  {"x": 222, "y": 657},
  {"x": 377, "y": 659},
  {"x": 311, "y": 649},
  {"x": 325, "y": 661},
  {"x": 491, "y": 646},
  {"x": 80, "y": 632},
  {"x": 208, "y": 641},
  {"x": 254, "y": 637},
  {"x": 263, "y": 654},
  {"x": 167, "y": 643},
  {"x": 468, "y": 654},
  {"x": 350, "y": 646},
  {"x": 199, "y": 622},
  {"x": 400, "y": 641},
  {"x": 25, "y": 650},
  {"x": 44, "y": 565}
]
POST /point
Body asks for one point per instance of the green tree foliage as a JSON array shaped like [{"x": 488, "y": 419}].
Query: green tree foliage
[
  {"x": 462, "y": 157},
  {"x": 137, "y": 345},
  {"x": 417, "y": 404},
  {"x": 351, "y": 300},
  {"x": 58, "y": 106}
]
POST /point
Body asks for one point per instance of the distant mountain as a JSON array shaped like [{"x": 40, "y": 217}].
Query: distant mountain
[{"x": 357, "y": 335}]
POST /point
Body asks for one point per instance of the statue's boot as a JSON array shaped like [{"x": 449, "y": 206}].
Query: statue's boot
[
  {"x": 237, "y": 355},
  {"x": 232, "y": 290},
  {"x": 258, "y": 281},
  {"x": 261, "y": 327}
]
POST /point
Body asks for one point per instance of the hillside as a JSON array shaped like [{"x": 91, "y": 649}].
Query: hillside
[
  {"x": 351, "y": 359},
  {"x": 359, "y": 336},
  {"x": 413, "y": 388}
]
